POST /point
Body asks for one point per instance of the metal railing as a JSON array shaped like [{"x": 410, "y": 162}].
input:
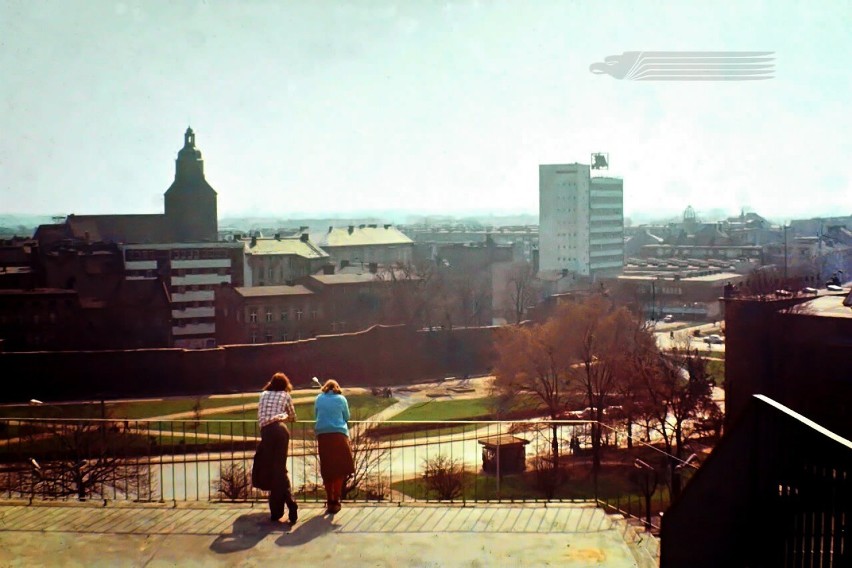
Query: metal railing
[{"x": 396, "y": 461}]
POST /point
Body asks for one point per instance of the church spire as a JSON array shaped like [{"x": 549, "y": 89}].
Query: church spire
[{"x": 189, "y": 162}]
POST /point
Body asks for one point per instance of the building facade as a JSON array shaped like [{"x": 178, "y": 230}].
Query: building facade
[
  {"x": 191, "y": 272},
  {"x": 281, "y": 260},
  {"x": 366, "y": 244},
  {"x": 581, "y": 221},
  {"x": 267, "y": 314}
]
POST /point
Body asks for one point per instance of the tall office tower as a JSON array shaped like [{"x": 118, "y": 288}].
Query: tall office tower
[{"x": 581, "y": 221}]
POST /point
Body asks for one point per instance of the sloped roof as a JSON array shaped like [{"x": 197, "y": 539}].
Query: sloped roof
[
  {"x": 265, "y": 291},
  {"x": 120, "y": 228},
  {"x": 341, "y": 237},
  {"x": 284, "y": 246},
  {"x": 332, "y": 279}
]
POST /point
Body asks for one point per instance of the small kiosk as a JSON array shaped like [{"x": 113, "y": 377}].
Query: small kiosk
[{"x": 510, "y": 450}]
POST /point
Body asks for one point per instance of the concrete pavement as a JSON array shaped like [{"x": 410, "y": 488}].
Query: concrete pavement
[{"x": 199, "y": 534}]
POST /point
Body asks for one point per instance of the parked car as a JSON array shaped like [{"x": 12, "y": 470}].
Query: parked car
[
  {"x": 710, "y": 339},
  {"x": 809, "y": 290},
  {"x": 834, "y": 288},
  {"x": 669, "y": 318}
]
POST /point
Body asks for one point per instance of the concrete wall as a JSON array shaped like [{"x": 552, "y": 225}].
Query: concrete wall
[{"x": 380, "y": 355}]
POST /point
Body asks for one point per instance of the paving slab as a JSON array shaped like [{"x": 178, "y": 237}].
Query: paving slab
[{"x": 418, "y": 535}]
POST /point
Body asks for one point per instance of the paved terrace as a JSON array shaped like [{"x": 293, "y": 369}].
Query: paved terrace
[{"x": 202, "y": 534}]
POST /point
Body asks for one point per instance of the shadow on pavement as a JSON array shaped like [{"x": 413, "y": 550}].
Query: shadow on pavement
[
  {"x": 304, "y": 533},
  {"x": 248, "y": 530}
]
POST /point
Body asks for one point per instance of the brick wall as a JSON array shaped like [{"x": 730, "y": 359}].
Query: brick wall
[{"x": 378, "y": 356}]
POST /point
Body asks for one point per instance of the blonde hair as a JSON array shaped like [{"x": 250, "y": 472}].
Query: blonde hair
[{"x": 331, "y": 385}]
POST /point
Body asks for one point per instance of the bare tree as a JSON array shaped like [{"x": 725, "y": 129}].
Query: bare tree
[
  {"x": 234, "y": 482},
  {"x": 680, "y": 390},
  {"x": 534, "y": 359},
  {"x": 368, "y": 452},
  {"x": 601, "y": 338},
  {"x": 88, "y": 458},
  {"x": 522, "y": 290}
]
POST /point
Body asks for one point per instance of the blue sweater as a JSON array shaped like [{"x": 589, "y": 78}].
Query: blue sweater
[{"x": 332, "y": 412}]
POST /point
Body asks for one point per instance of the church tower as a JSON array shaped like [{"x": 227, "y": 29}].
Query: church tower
[{"x": 190, "y": 202}]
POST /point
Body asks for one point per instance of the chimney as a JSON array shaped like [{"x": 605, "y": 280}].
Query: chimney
[
  {"x": 277, "y": 236},
  {"x": 328, "y": 269},
  {"x": 303, "y": 229},
  {"x": 303, "y": 237},
  {"x": 351, "y": 229},
  {"x": 253, "y": 241},
  {"x": 387, "y": 226},
  {"x": 374, "y": 267},
  {"x": 330, "y": 229}
]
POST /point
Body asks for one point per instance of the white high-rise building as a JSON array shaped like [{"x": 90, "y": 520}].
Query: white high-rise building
[{"x": 581, "y": 221}]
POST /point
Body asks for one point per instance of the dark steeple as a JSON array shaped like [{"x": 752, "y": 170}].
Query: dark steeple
[{"x": 190, "y": 201}]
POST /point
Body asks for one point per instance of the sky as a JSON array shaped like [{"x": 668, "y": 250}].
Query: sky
[{"x": 322, "y": 108}]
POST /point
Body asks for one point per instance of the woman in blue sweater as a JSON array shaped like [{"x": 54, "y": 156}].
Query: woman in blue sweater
[{"x": 335, "y": 454}]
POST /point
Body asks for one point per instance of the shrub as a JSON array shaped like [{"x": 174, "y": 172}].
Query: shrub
[
  {"x": 443, "y": 476},
  {"x": 234, "y": 482}
]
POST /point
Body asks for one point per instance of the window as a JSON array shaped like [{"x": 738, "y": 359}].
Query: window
[
  {"x": 314, "y": 313},
  {"x": 253, "y": 317},
  {"x": 298, "y": 313},
  {"x": 283, "y": 336},
  {"x": 285, "y": 314},
  {"x": 268, "y": 315},
  {"x": 269, "y": 274},
  {"x": 254, "y": 338},
  {"x": 269, "y": 338}
]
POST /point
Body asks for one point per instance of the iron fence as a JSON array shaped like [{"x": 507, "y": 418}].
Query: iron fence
[{"x": 396, "y": 461}]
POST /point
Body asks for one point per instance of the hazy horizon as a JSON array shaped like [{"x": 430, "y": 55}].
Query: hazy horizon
[{"x": 314, "y": 109}]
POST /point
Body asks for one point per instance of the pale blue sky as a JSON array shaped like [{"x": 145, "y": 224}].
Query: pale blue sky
[{"x": 336, "y": 107}]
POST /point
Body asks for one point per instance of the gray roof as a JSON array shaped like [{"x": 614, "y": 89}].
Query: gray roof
[
  {"x": 341, "y": 237},
  {"x": 284, "y": 246}
]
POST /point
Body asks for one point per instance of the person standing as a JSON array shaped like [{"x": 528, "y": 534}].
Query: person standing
[
  {"x": 335, "y": 453},
  {"x": 273, "y": 411}
]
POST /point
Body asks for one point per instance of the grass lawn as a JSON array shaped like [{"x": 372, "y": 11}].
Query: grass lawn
[
  {"x": 615, "y": 486},
  {"x": 123, "y": 410},
  {"x": 359, "y": 405}
]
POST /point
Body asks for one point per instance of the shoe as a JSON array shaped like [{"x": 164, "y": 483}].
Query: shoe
[
  {"x": 292, "y": 512},
  {"x": 275, "y": 519},
  {"x": 333, "y": 507}
]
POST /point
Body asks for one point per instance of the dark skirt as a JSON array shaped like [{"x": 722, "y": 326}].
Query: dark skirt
[{"x": 335, "y": 456}]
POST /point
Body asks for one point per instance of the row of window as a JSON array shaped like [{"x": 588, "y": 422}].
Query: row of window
[
  {"x": 284, "y": 315},
  {"x": 188, "y": 271},
  {"x": 176, "y": 254}
]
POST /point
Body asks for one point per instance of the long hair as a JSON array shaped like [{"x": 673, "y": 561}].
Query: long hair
[
  {"x": 331, "y": 386},
  {"x": 278, "y": 382}
]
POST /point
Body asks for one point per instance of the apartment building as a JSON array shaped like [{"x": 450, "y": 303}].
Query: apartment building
[
  {"x": 192, "y": 272},
  {"x": 581, "y": 221}
]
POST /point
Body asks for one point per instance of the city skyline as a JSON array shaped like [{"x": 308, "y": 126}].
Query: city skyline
[{"x": 334, "y": 110}]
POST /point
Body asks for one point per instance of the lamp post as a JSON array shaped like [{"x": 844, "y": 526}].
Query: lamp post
[
  {"x": 648, "y": 485},
  {"x": 785, "y": 253}
]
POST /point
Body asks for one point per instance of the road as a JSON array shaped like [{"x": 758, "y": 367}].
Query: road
[{"x": 684, "y": 336}]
